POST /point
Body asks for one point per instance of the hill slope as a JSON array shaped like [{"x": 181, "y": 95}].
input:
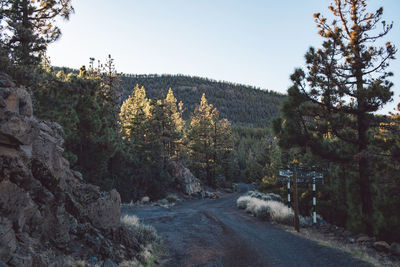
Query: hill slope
[{"x": 240, "y": 104}]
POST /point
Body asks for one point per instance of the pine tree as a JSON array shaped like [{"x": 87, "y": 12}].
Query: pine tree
[
  {"x": 223, "y": 150},
  {"x": 31, "y": 26},
  {"x": 175, "y": 108},
  {"x": 164, "y": 132},
  {"x": 174, "y": 111},
  {"x": 209, "y": 139},
  {"x": 330, "y": 105},
  {"x": 150, "y": 133},
  {"x": 135, "y": 107}
]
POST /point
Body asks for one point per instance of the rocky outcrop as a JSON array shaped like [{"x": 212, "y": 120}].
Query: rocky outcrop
[
  {"x": 47, "y": 213},
  {"x": 184, "y": 179}
]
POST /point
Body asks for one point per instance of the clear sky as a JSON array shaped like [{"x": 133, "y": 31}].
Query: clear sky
[{"x": 254, "y": 42}]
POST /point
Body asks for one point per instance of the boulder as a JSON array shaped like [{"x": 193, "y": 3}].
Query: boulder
[
  {"x": 184, "y": 179},
  {"x": 105, "y": 212},
  {"x": 16, "y": 130},
  {"x": 17, "y": 126},
  {"x": 381, "y": 246},
  {"x": 16, "y": 100},
  {"x": 47, "y": 150}
]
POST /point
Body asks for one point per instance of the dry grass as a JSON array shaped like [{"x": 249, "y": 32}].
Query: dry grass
[
  {"x": 259, "y": 208},
  {"x": 130, "y": 220},
  {"x": 266, "y": 209},
  {"x": 271, "y": 207},
  {"x": 144, "y": 234},
  {"x": 243, "y": 201},
  {"x": 266, "y": 197},
  {"x": 280, "y": 213}
]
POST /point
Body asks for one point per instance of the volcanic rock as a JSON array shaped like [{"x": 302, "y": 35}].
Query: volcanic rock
[
  {"x": 184, "y": 179},
  {"x": 47, "y": 213}
]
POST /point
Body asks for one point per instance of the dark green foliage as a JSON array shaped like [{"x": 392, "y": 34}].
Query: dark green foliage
[
  {"x": 250, "y": 153},
  {"x": 30, "y": 28},
  {"x": 210, "y": 145},
  {"x": 240, "y": 104},
  {"x": 151, "y": 130},
  {"x": 88, "y": 120},
  {"x": 329, "y": 112}
]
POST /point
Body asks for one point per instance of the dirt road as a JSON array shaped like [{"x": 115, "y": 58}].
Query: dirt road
[{"x": 216, "y": 233}]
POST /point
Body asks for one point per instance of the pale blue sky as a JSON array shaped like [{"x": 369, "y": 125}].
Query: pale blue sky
[{"x": 254, "y": 42}]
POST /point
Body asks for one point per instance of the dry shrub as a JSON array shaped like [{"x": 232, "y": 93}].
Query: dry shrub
[
  {"x": 266, "y": 197},
  {"x": 130, "y": 220},
  {"x": 144, "y": 234},
  {"x": 242, "y": 202},
  {"x": 280, "y": 213},
  {"x": 270, "y": 209}
]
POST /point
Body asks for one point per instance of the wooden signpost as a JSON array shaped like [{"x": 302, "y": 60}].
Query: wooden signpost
[
  {"x": 296, "y": 203},
  {"x": 301, "y": 175}
]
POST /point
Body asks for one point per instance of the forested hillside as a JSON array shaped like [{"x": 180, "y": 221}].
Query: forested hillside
[{"x": 240, "y": 104}]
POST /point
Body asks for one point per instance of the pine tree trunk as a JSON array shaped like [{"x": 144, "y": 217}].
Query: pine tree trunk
[
  {"x": 363, "y": 125},
  {"x": 343, "y": 187},
  {"x": 364, "y": 181}
]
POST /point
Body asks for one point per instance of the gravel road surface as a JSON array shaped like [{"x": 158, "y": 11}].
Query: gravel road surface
[{"x": 216, "y": 233}]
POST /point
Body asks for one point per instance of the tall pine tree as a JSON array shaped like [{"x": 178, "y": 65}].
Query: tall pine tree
[
  {"x": 134, "y": 111},
  {"x": 31, "y": 25},
  {"x": 210, "y": 142},
  {"x": 330, "y": 105}
]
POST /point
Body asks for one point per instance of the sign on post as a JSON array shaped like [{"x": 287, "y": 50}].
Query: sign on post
[{"x": 302, "y": 175}]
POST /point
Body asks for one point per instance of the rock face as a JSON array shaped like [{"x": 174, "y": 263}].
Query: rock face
[
  {"x": 47, "y": 213},
  {"x": 185, "y": 180}
]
